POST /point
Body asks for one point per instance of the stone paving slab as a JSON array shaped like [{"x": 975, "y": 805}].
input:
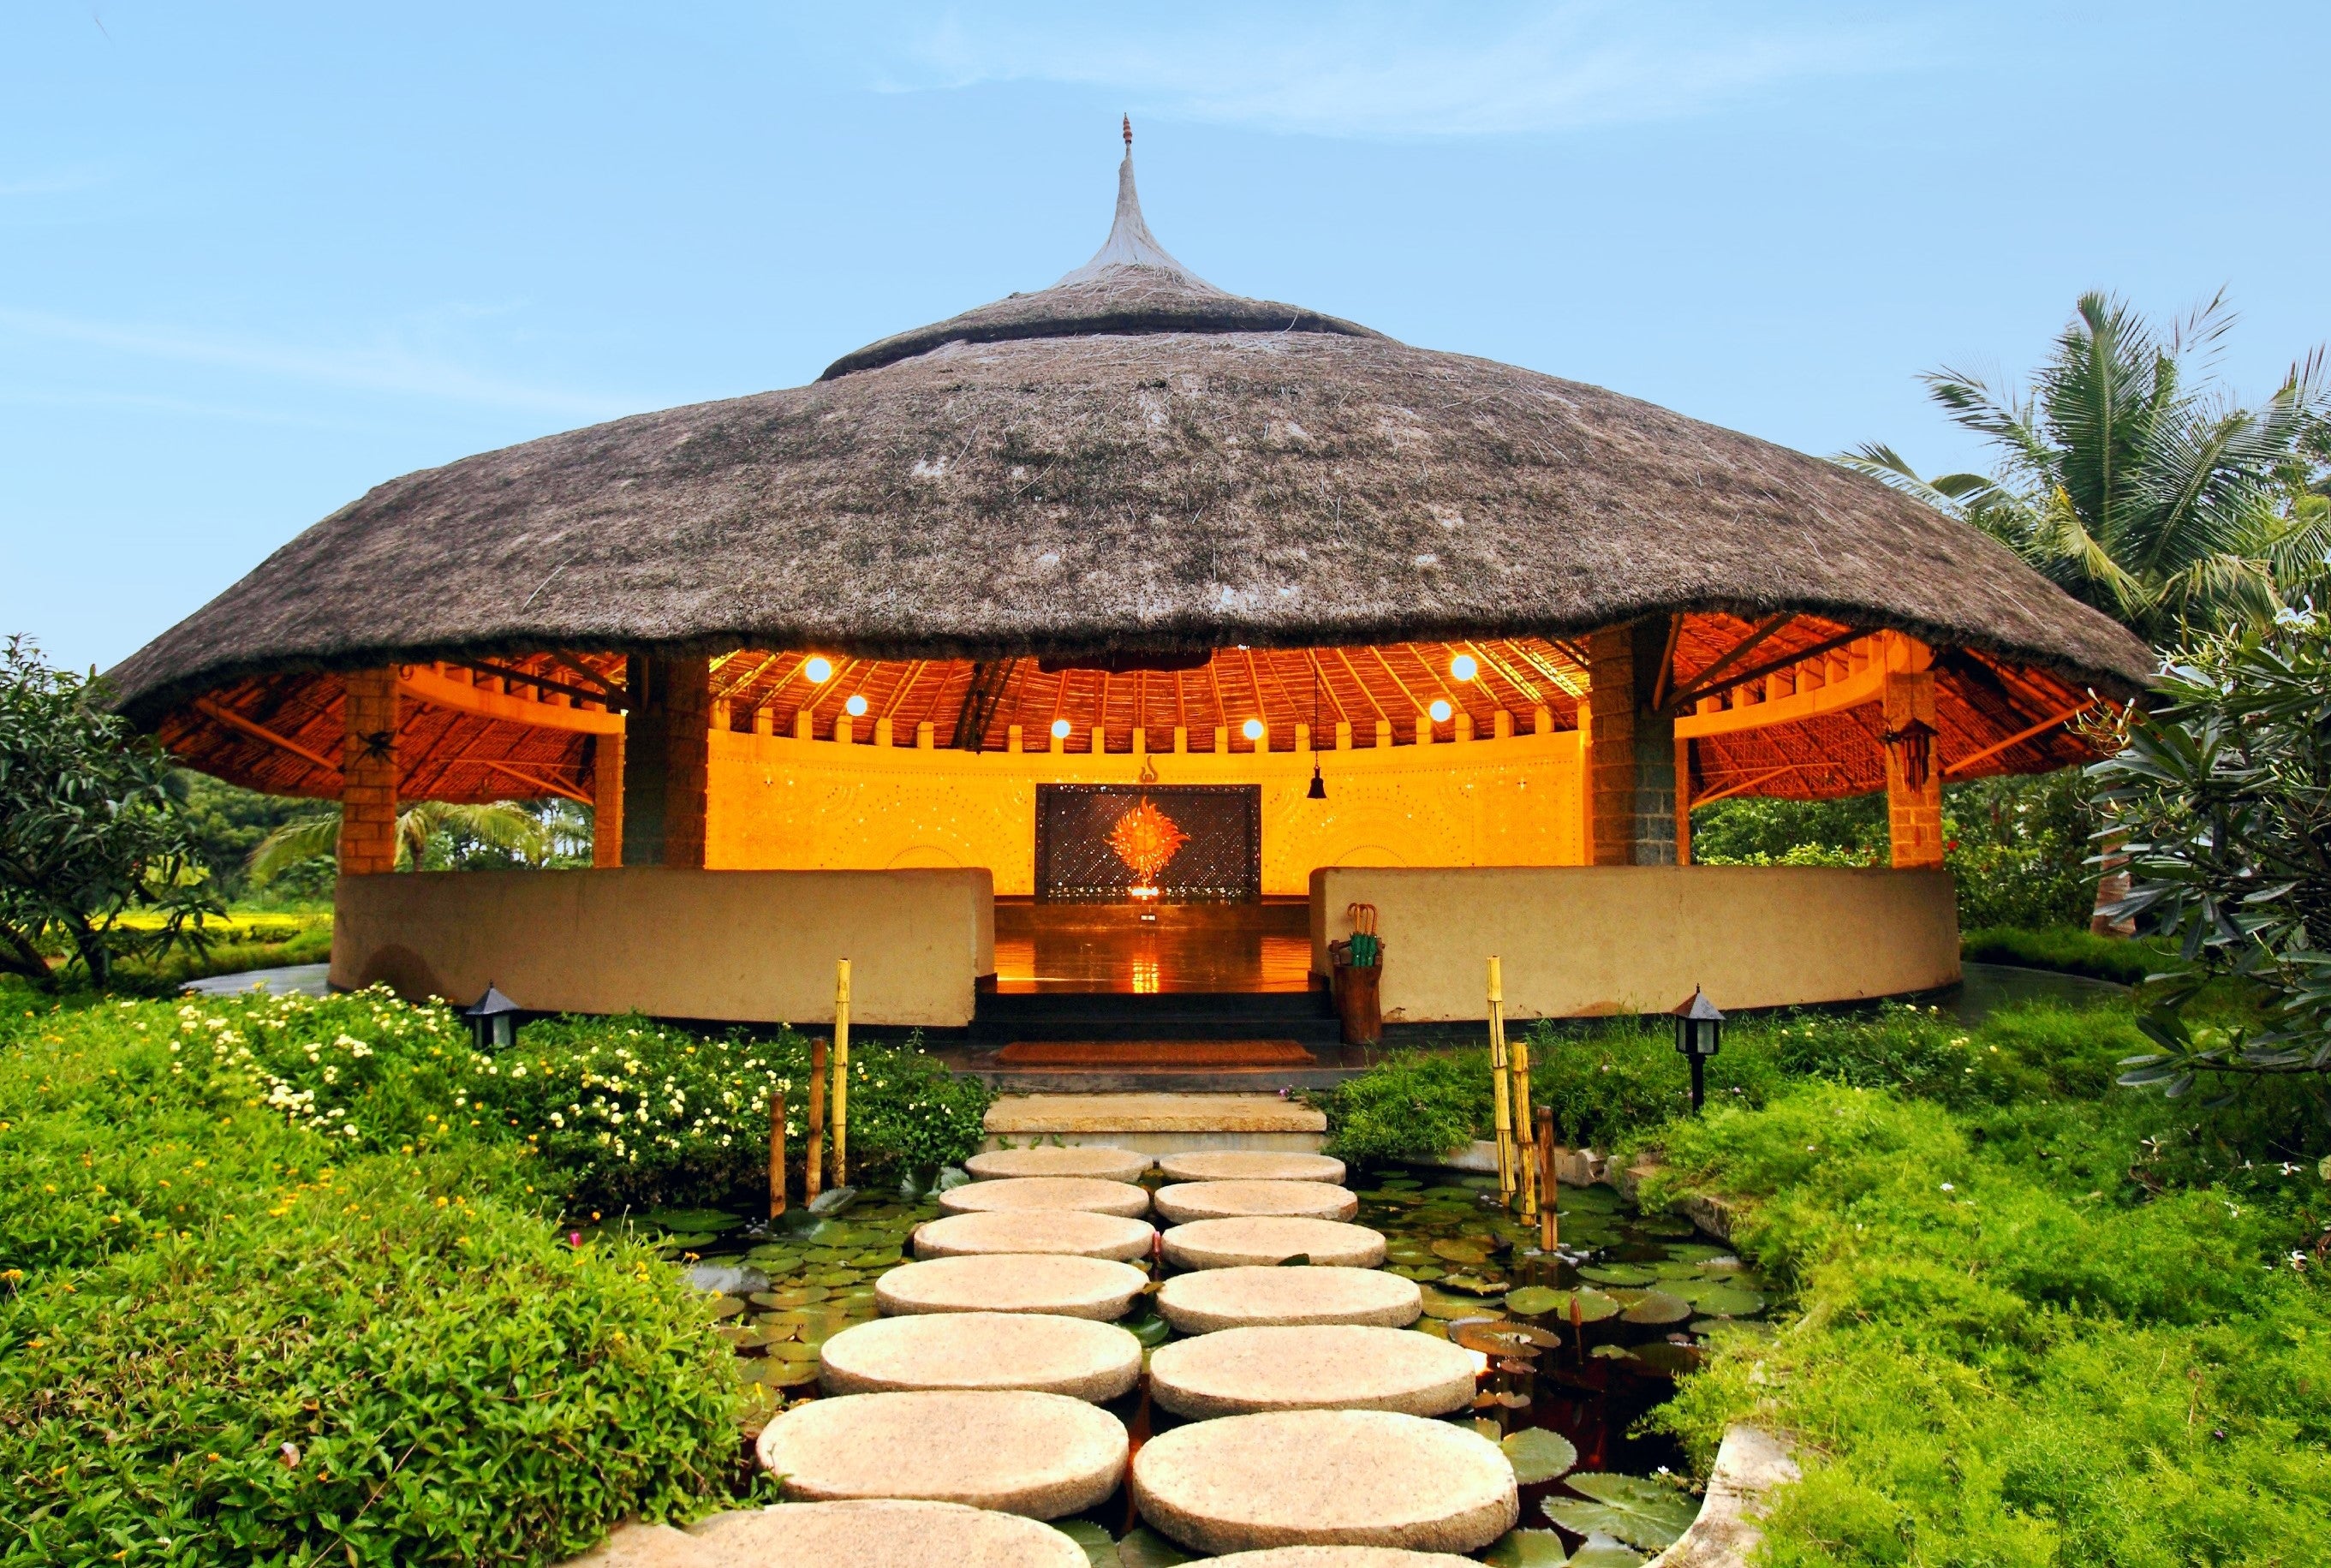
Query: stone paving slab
[
  {"x": 1250, "y": 1165},
  {"x": 1325, "y": 1478},
  {"x": 1186, "y": 1201},
  {"x": 1061, "y": 1283},
  {"x": 1076, "y": 1230},
  {"x": 1343, "y": 1557},
  {"x": 1234, "y": 1243},
  {"x": 1323, "y": 1366},
  {"x": 881, "y": 1534},
  {"x": 1253, "y": 1297},
  {"x": 1040, "y": 1455},
  {"x": 1099, "y": 1161},
  {"x": 1047, "y": 1192},
  {"x": 1042, "y": 1352}
]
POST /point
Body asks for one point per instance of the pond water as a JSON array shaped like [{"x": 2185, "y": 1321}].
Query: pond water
[{"x": 1580, "y": 1343}]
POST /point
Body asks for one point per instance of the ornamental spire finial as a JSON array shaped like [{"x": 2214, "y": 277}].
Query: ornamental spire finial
[{"x": 1128, "y": 134}]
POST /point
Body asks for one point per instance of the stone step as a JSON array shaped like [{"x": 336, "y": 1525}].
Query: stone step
[{"x": 1159, "y": 1124}]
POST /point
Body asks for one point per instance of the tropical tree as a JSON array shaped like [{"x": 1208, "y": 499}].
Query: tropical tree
[
  {"x": 2131, "y": 482},
  {"x": 89, "y": 831},
  {"x": 423, "y": 829}
]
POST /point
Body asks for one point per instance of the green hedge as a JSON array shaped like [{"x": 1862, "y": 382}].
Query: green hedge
[{"x": 2067, "y": 949}]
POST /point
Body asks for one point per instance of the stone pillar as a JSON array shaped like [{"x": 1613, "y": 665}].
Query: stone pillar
[
  {"x": 368, "y": 773},
  {"x": 1914, "y": 810},
  {"x": 1631, "y": 749},
  {"x": 606, "y": 799},
  {"x": 667, "y": 749}
]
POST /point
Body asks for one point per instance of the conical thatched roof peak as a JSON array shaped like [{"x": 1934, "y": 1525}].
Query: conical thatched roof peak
[{"x": 1131, "y": 287}]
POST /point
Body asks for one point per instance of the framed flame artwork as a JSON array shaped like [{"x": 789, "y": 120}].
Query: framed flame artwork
[{"x": 1143, "y": 844}]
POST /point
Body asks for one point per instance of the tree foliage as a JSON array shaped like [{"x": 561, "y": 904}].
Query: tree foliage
[{"x": 89, "y": 831}]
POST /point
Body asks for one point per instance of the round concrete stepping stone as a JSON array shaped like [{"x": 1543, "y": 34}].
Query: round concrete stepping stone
[
  {"x": 1059, "y": 1283},
  {"x": 1041, "y": 1455},
  {"x": 1187, "y": 1201},
  {"x": 1047, "y": 1192},
  {"x": 1343, "y": 1557},
  {"x": 1237, "y": 1243},
  {"x": 1325, "y": 1478},
  {"x": 1258, "y": 1298},
  {"x": 1250, "y": 1165},
  {"x": 1323, "y": 1366},
  {"x": 1042, "y": 1352},
  {"x": 881, "y": 1534},
  {"x": 1076, "y": 1230},
  {"x": 1092, "y": 1160}
]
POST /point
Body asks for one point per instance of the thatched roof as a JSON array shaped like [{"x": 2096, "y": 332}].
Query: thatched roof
[{"x": 1131, "y": 459}]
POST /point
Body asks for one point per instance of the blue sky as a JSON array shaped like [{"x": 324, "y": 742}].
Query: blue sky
[{"x": 256, "y": 259}]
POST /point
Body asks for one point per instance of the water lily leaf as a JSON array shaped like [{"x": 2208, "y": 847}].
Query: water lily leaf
[
  {"x": 1697, "y": 1252},
  {"x": 1461, "y": 1251},
  {"x": 1502, "y": 1341},
  {"x": 1152, "y": 1331},
  {"x": 1438, "y": 1304},
  {"x": 687, "y": 1241},
  {"x": 1669, "y": 1360},
  {"x": 1534, "y": 1300},
  {"x": 1145, "y": 1548},
  {"x": 1389, "y": 1195},
  {"x": 1629, "y": 1508},
  {"x": 1099, "y": 1545},
  {"x": 1539, "y": 1455},
  {"x": 832, "y": 1201},
  {"x": 1416, "y": 1271},
  {"x": 1593, "y": 1306},
  {"x": 1616, "y": 1274},
  {"x": 713, "y": 1221},
  {"x": 1665, "y": 1225},
  {"x": 783, "y": 1373},
  {"x": 1602, "y": 1551},
  {"x": 726, "y": 1307},
  {"x": 1475, "y": 1284},
  {"x": 1587, "y": 1201},
  {"x": 1528, "y": 1549},
  {"x": 1656, "y": 1306},
  {"x": 1725, "y": 1301},
  {"x": 742, "y": 1336},
  {"x": 1613, "y": 1352}
]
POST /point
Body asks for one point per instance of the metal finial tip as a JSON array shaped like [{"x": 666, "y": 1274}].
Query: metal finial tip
[{"x": 1129, "y": 133}]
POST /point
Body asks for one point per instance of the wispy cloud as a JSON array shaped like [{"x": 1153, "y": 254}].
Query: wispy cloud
[
  {"x": 384, "y": 366},
  {"x": 1406, "y": 72},
  {"x": 53, "y": 183}
]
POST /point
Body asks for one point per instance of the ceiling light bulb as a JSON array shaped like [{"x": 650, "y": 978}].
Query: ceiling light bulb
[
  {"x": 1463, "y": 667},
  {"x": 856, "y": 706},
  {"x": 1252, "y": 729},
  {"x": 820, "y": 669},
  {"x": 1060, "y": 727},
  {"x": 1441, "y": 710}
]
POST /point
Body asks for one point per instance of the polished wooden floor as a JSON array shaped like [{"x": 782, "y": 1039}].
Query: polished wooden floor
[{"x": 1138, "y": 949}]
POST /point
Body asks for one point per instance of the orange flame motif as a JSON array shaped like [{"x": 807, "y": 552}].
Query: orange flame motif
[{"x": 1145, "y": 839}]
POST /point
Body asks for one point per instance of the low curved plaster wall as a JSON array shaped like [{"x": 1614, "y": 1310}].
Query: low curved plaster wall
[
  {"x": 739, "y": 945},
  {"x": 1580, "y": 941}
]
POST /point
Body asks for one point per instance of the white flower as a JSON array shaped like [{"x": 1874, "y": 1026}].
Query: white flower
[{"x": 1948, "y": 1188}]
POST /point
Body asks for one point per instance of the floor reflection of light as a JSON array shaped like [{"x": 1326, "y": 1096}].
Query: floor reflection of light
[{"x": 1147, "y": 977}]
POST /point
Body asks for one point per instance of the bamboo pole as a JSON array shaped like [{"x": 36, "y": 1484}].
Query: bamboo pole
[
  {"x": 1549, "y": 1195},
  {"x": 814, "y": 1181},
  {"x": 1525, "y": 1154},
  {"x": 841, "y": 1072},
  {"x": 1499, "y": 1090},
  {"x": 776, "y": 1153}
]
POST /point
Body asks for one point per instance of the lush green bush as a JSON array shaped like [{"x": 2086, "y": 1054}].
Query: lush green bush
[
  {"x": 2067, "y": 949},
  {"x": 1413, "y": 1106},
  {"x": 230, "y": 1334}
]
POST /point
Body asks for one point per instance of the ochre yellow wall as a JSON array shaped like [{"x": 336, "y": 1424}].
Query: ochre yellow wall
[{"x": 776, "y": 802}]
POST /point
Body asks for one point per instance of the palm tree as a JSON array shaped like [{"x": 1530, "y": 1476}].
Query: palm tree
[
  {"x": 2133, "y": 485},
  {"x": 500, "y": 824}
]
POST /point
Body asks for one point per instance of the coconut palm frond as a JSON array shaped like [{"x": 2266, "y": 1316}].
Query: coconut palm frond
[{"x": 300, "y": 839}]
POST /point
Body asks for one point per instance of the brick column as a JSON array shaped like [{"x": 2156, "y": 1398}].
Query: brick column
[
  {"x": 1631, "y": 749},
  {"x": 667, "y": 746},
  {"x": 606, "y": 799},
  {"x": 368, "y": 773},
  {"x": 1914, "y": 814}
]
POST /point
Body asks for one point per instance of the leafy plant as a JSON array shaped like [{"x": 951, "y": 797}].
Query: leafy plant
[
  {"x": 88, "y": 831},
  {"x": 1629, "y": 1508},
  {"x": 426, "y": 831}
]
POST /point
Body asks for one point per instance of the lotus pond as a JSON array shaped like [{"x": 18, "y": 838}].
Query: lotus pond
[{"x": 1579, "y": 1345}]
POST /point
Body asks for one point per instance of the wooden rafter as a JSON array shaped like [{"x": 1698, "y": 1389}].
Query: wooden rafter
[{"x": 1706, "y": 684}]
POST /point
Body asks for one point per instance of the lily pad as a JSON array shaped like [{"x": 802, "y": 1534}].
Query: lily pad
[
  {"x": 1656, "y": 1306},
  {"x": 783, "y": 1373},
  {"x": 1725, "y": 1301},
  {"x": 1534, "y": 1300},
  {"x": 1145, "y": 1548},
  {"x": 687, "y": 1241},
  {"x": 792, "y": 1350},
  {"x": 1629, "y": 1508},
  {"x": 1152, "y": 1331},
  {"x": 1539, "y": 1455},
  {"x": 1099, "y": 1545},
  {"x": 1508, "y": 1341},
  {"x": 832, "y": 1201},
  {"x": 1475, "y": 1284},
  {"x": 1593, "y": 1306},
  {"x": 1670, "y": 1360},
  {"x": 1418, "y": 1271},
  {"x": 1616, "y": 1274},
  {"x": 1461, "y": 1251},
  {"x": 1697, "y": 1252},
  {"x": 711, "y": 1221},
  {"x": 1602, "y": 1551},
  {"x": 1528, "y": 1549},
  {"x": 726, "y": 1307},
  {"x": 1438, "y": 1304}
]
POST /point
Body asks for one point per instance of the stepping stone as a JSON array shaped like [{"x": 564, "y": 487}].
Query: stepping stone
[
  {"x": 1076, "y": 1230},
  {"x": 1083, "y": 1193},
  {"x": 1325, "y": 1478},
  {"x": 1057, "y": 1283},
  {"x": 1040, "y": 1352},
  {"x": 1256, "y": 1297},
  {"x": 1093, "y": 1161},
  {"x": 1326, "y": 1366},
  {"x": 1236, "y": 1243},
  {"x": 1250, "y": 1165},
  {"x": 1187, "y": 1201},
  {"x": 1041, "y": 1455},
  {"x": 881, "y": 1534},
  {"x": 1343, "y": 1558}
]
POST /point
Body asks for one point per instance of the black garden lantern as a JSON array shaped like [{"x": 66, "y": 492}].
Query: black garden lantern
[
  {"x": 493, "y": 1021},
  {"x": 1699, "y": 1030}
]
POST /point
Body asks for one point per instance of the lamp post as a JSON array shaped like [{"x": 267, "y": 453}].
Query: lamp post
[
  {"x": 493, "y": 1021},
  {"x": 1699, "y": 1030}
]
